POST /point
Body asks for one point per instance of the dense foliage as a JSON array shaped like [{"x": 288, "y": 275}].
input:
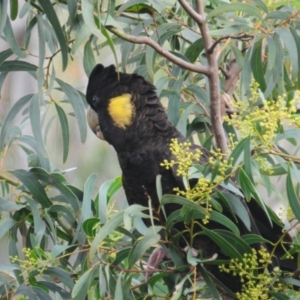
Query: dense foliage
[{"x": 64, "y": 243}]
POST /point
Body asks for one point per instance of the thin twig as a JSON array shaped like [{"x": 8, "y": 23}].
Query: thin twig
[
  {"x": 159, "y": 49},
  {"x": 242, "y": 36}
]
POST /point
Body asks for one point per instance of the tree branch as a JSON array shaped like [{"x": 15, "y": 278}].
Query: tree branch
[
  {"x": 213, "y": 76},
  {"x": 159, "y": 49},
  {"x": 243, "y": 37}
]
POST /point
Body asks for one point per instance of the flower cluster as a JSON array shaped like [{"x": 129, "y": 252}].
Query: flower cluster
[
  {"x": 33, "y": 260},
  {"x": 183, "y": 159},
  {"x": 254, "y": 275},
  {"x": 262, "y": 122}
]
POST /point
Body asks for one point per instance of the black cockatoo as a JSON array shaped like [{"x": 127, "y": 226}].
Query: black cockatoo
[{"x": 126, "y": 112}]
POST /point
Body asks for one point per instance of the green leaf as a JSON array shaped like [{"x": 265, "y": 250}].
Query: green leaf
[
  {"x": 51, "y": 179},
  {"x": 78, "y": 107},
  {"x": 289, "y": 41},
  {"x": 88, "y": 57},
  {"x": 227, "y": 247},
  {"x": 108, "y": 228},
  {"x": 10, "y": 38},
  {"x": 81, "y": 287},
  {"x": 89, "y": 226},
  {"x": 17, "y": 65},
  {"x": 247, "y": 158},
  {"x": 235, "y": 155},
  {"x": 61, "y": 274},
  {"x": 229, "y": 7},
  {"x": 237, "y": 207},
  {"x": 34, "y": 112},
  {"x": 53, "y": 19},
  {"x": 8, "y": 267},
  {"x": 257, "y": 67},
  {"x": 182, "y": 201},
  {"x": 209, "y": 282},
  {"x": 42, "y": 53},
  {"x": 5, "y": 54},
  {"x": 6, "y": 225},
  {"x": 38, "y": 224},
  {"x": 119, "y": 288},
  {"x": 181, "y": 125},
  {"x": 3, "y": 14},
  {"x": 248, "y": 186},
  {"x": 13, "y": 9},
  {"x": 194, "y": 50},
  {"x": 87, "y": 197},
  {"x": 9, "y": 206},
  {"x": 292, "y": 196},
  {"x": 64, "y": 130},
  {"x": 33, "y": 186},
  {"x": 253, "y": 239},
  {"x": 110, "y": 43},
  {"x": 217, "y": 217},
  {"x": 141, "y": 247},
  {"x": 106, "y": 191}
]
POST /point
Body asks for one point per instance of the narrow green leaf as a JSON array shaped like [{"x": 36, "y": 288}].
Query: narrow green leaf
[
  {"x": 10, "y": 38},
  {"x": 89, "y": 226},
  {"x": 17, "y": 65},
  {"x": 33, "y": 186},
  {"x": 247, "y": 8},
  {"x": 13, "y": 9},
  {"x": 237, "y": 207},
  {"x": 292, "y": 196},
  {"x": 119, "y": 287},
  {"x": 256, "y": 62},
  {"x": 194, "y": 50},
  {"x": 108, "y": 227},
  {"x": 8, "y": 267},
  {"x": 224, "y": 244},
  {"x": 297, "y": 41},
  {"x": 247, "y": 158},
  {"x": 51, "y": 179},
  {"x": 9, "y": 206},
  {"x": 235, "y": 155},
  {"x": 89, "y": 61},
  {"x": 141, "y": 247},
  {"x": 81, "y": 36},
  {"x": 78, "y": 107},
  {"x": 64, "y": 131},
  {"x": 3, "y": 14},
  {"x": 5, "y": 54},
  {"x": 6, "y": 225},
  {"x": 34, "y": 112},
  {"x": 289, "y": 41},
  {"x": 42, "y": 52},
  {"x": 217, "y": 217},
  {"x": 38, "y": 224},
  {"x": 11, "y": 115},
  {"x": 253, "y": 239},
  {"x": 182, "y": 123},
  {"x": 60, "y": 273},
  {"x": 209, "y": 282},
  {"x": 182, "y": 201},
  {"x": 53, "y": 19},
  {"x": 250, "y": 187},
  {"x": 81, "y": 287},
  {"x": 110, "y": 43},
  {"x": 87, "y": 198}
]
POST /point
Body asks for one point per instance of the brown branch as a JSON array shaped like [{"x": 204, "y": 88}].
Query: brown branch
[
  {"x": 213, "y": 76},
  {"x": 242, "y": 37},
  {"x": 159, "y": 49}
]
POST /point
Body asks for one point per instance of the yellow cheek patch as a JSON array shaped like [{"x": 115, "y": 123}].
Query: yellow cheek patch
[{"x": 121, "y": 110}]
